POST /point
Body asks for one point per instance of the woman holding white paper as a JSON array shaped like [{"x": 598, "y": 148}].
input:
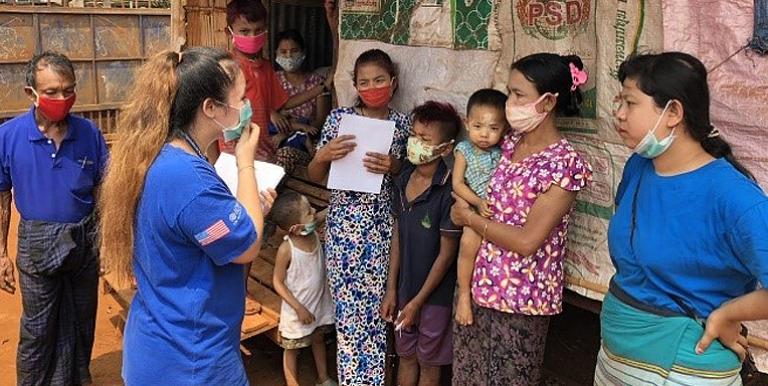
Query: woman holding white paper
[{"x": 359, "y": 225}]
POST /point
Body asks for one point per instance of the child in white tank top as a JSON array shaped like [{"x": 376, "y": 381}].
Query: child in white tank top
[{"x": 307, "y": 311}]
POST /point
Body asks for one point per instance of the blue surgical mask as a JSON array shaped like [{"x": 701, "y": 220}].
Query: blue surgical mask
[
  {"x": 650, "y": 147},
  {"x": 309, "y": 228},
  {"x": 233, "y": 133}
]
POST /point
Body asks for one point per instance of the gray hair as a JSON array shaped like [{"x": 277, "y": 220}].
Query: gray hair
[{"x": 57, "y": 62}]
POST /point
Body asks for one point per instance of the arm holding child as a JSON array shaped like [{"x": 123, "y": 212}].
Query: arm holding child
[
  {"x": 546, "y": 213},
  {"x": 462, "y": 190},
  {"x": 308, "y": 95}
]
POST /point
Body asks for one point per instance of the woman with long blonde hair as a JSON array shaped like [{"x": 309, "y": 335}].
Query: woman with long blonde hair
[{"x": 172, "y": 224}]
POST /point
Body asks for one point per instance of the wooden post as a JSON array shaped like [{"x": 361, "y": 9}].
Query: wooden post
[{"x": 178, "y": 25}]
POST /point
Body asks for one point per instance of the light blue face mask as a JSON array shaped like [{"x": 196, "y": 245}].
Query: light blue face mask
[
  {"x": 650, "y": 147},
  {"x": 309, "y": 228},
  {"x": 233, "y": 133}
]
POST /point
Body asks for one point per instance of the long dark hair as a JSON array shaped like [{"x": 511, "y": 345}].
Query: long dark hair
[
  {"x": 681, "y": 77},
  {"x": 552, "y": 73}
]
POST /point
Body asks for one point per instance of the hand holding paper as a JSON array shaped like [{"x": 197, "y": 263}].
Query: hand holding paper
[
  {"x": 349, "y": 172},
  {"x": 338, "y": 148},
  {"x": 268, "y": 175},
  {"x": 378, "y": 163}
]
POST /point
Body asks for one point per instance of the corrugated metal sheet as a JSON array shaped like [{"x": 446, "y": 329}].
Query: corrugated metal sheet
[
  {"x": 206, "y": 23},
  {"x": 310, "y": 21}
]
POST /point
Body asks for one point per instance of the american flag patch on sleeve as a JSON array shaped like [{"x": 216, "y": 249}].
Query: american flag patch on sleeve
[{"x": 214, "y": 232}]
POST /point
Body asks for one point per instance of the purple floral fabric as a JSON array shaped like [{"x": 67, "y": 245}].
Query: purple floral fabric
[{"x": 531, "y": 285}]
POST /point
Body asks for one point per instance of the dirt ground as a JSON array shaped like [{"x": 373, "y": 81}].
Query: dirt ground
[
  {"x": 264, "y": 366},
  {"x": 571, "y": 345}
]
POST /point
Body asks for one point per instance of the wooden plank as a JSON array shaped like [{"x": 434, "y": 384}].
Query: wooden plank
[
  {"x": 261, "y": 271},
  {"x": 178, "y": 25},
  {"x": 582, "y": 302},
  {"x": 301, "y": 3},
  {"x": 269, "y": 254},
  {"x": 255, "y": 324},
  {"x": 301, "y": 173},
  {"x": 110, "y": 138},
  {"x": 315, "y": 202},
  {"x": 319, "y": 193},
  {"x": 85, "y": 11},
  {"x": 599, "y": 288},
  {"x": 269, "y": 300}
]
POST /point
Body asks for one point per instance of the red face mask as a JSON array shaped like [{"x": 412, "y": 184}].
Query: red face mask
[
  {"x": 376, "y": 97},
  {"x": 54, "y": 110}
]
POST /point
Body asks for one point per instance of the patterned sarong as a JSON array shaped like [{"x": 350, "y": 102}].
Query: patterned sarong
[{"x": 58, "y": 277}]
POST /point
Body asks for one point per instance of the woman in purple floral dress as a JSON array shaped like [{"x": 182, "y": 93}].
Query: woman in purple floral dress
[{"x": 516, "y": 281}]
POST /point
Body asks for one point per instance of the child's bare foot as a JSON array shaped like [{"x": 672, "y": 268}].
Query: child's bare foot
[
  {"x": 328, "y": 382},
  {"x": 464, "y": 310}
]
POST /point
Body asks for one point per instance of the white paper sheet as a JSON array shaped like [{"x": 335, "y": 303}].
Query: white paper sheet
[
  {"x": 267, "y": 175},
  {"x": 372, "y": 135}
]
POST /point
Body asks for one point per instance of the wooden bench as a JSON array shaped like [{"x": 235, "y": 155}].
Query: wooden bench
[{"x": 266, "y": 320}]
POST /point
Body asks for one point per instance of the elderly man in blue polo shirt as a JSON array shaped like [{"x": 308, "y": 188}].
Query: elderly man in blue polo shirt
[{"x": 52, "y": 163}]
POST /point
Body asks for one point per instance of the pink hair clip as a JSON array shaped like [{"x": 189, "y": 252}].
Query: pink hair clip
[{"x": 579, "y": 77}]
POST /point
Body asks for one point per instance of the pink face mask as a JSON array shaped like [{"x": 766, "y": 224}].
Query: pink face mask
[
  {"x": 525, "y": 118},
  {"x": 249, "y": 45}
]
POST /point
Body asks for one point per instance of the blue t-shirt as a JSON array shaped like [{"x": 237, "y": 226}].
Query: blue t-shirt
[
  {"x": 49, "y": 184},
  {"x": 701, "y": 238},
  {"x": 184, "y": 322}
]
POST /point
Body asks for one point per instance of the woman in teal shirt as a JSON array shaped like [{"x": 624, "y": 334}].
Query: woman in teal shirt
[{"x": 689, "y": 238}]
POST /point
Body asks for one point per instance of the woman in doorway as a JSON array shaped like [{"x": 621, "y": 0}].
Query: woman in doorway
[{"x": 296, "y": 147}]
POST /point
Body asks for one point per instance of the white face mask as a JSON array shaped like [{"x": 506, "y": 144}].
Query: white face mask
[
  {"x": 291, "y": 63},
  {"x": 525, "y": 118},
  {"x": 650, "y": 147}
]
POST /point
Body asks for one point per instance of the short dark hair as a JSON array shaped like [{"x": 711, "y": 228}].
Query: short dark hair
[
  {"x": 290, "y": 34},
  {"x": 448, "y": 120},
  {"x": 285, "y": 210},
  {"x": 57, "y": 62},
  {"x": 552, "y": 73},
  {"x": 251, "y": 10},
  {"x": 487, "y": 97}
]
